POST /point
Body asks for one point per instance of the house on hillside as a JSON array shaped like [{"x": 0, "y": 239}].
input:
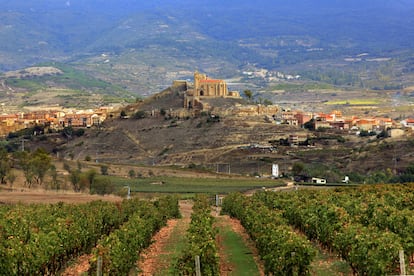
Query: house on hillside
[
  {"x": 365, "y": 124},
  {"x": 409, "y": 122}
]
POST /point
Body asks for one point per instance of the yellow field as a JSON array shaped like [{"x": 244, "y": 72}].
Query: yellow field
[{"x": 356, "y": 102}]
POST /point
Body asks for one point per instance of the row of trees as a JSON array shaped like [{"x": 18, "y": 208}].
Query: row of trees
[
  {"x": 37, "y": 166},
  {"x": 34, "y": 166}
]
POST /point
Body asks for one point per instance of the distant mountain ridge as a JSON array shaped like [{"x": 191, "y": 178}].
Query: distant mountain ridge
[{"x": 186, "y": 35}]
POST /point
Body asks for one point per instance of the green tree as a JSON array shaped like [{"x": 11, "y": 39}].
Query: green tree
[
  {"x": 131, "y": 173},
  {"x": 103, "y": 186},
  {"x": 75, "y": 179},
  {"x": 54, "y": 174},
  {"x": 11, "y": 177},
  {"x": 139, "y": 114},
  {"x": 5, "y": 165},
  {"x": 298, "y": 168},
  {"x": 91, "y": 175},
  {"x": 40, "y": 162},
  {"x": 267, "y": 102},
  {"x": 104, "y": 170},
  {"x": 310, "y": 125},
  {"x": 249, "y": 94},
  {"x": 23, "y": 161}
]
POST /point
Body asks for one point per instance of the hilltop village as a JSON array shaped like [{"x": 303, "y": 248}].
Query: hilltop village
[{"x": 207, "y": 95}]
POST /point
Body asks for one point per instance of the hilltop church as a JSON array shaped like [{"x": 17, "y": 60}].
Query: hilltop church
[{"x": 206, "y": 88}]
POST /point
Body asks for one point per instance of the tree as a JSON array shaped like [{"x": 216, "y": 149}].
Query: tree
[
  {"x": 139, "y": 114},
  {"x": 103, "y": 186},
  {"x": 298, "y": 168},
  {"x": 40, "y": 162},
  {"x": 248, "y": 93},
  {"x": 163, "y": 112},
  {"x": 11, "y": 177},
  {"x": 5, "y": 165},
  {"x": 131, "y": 173},
  {"x": 34, "y": 165},
  {"x": 104, "y": 170},
  {"x": 54, "y": 174},
  {"x": 23, "y": 161},
  {"x": 310, "y": 125},
  {"x": 267, "y": 102},
  {"x": 90, "y": 175},
  {"x": 75, "y": 179}
]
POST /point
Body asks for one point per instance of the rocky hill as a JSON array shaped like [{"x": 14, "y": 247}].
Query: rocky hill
[
  {"x": 161, "y": 139},
  {"x": 236, "y": 144}
]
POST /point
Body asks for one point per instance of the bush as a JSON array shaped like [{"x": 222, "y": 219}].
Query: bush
[
  {"x": 131, "y": 173},
  {"x": 79, "y": 132},
  {"x": 140, "y": 114},
  {"x": 104, "y": 170},
  {"x": 102, "y": 186}
]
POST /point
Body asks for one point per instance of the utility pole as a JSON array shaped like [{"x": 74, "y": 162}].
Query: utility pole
[{"x": 23, "y": 143}]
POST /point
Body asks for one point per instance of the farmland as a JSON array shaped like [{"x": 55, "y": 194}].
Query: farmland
[
  {"x": 339, "y": 231},
  {"x": 367, "y": 227}
]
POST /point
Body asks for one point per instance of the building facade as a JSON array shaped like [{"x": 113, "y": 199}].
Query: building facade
[{"x": 205, "y": 88}]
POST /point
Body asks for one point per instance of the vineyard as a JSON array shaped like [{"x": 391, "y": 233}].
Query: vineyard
[
  {"x": 366, "y": 226},
  {"x": 41, "y": 239},
  {"x": 200, "y": 242}
]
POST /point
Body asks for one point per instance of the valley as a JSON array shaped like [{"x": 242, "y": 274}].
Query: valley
[{"x": 230, "y": 137}]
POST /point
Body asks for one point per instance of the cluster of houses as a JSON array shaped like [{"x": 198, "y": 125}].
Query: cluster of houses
[
  {"x": 55, "y": 119},
  {"x": 335, "y": 120}
]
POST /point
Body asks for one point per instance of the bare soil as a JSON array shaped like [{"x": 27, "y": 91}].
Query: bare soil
[
  {"x": 80, "y": 266},
  {"x": 41, "y": 196}
]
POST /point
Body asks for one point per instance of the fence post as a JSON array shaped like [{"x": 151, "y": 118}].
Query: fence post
[
  {"x": 402, "y": 263},
  {"x": 99, "y": 266},
  {"x": 197, "y": 266}
]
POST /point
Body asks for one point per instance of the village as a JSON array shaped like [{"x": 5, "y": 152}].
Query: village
[
  {"x": 205, "y": 96},
  {"x": 54, "y": 119}
]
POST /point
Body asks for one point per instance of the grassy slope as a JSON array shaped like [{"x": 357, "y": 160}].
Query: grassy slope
[{"x": 66, "y": 89}]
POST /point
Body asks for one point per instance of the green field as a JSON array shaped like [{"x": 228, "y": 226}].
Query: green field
[
  {"x": 190, "y": 185},
  {"x": 301, "y": 86}
]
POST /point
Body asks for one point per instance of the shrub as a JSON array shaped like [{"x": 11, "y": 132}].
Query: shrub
[
  {"x": 104, "y": 170},
  {"x": 140, "y": 114}
]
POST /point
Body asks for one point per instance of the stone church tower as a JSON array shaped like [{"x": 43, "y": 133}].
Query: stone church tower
[{"x": 205, "y": 88}]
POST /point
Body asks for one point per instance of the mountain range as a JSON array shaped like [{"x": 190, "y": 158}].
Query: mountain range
[{"x": 219, "y": 37}]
